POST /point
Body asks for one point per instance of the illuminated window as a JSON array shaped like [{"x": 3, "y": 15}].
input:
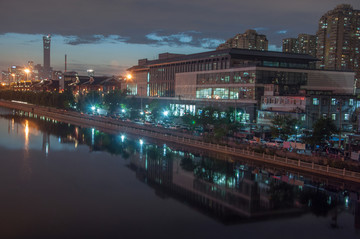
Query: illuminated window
[
  {"x": 333, "y": 116},
  {"x": 203, "y": 93},
  {"x": 351, "y": 102},
  {"x": 333, "y": 101},
  {"x": 221, "y": 93},
  {"x": 346, "y": 116},
  {"x": 315, "y": 101}
]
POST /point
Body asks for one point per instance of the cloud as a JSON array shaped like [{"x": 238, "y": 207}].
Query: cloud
[
  {"x": 178, "y": 38},
  {"x": 282, "y": 32},
  {"x": 210, "y": 43},
  {"x": 189, "y": 38},
  {"x": 93, "y": 39},
  {"x": 79, "y": 40}
]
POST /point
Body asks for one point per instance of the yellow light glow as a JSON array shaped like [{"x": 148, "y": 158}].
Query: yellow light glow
[
  {"x": 26, "y": 130},
  {"x": 129, "y": 76},
  {"x": 27, "y": 71}
]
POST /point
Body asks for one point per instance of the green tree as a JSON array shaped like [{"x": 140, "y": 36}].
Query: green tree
[
  {"x": 85, "y": 102},
  {"x": 283, "y": 126},
  {"x": 113, "y": 100},
  {"x": 322, "y": 131}
]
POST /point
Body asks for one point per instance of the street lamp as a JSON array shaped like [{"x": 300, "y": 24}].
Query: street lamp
[
  {"x": 296, "y": 133},
  {"x": 27, "y": 71}
]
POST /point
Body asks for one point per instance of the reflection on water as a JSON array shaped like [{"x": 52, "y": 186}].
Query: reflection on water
[
  {"x": 26, "y": 130},
  {"x": 229, "y": 191}
]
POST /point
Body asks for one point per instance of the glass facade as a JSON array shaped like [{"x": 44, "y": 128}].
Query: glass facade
[
  {"x": 224, "y": 93},
  {"x": 181, "y": 109},
  {"x": 287, "y": 82},
  {"x": 241, "y": 77}
]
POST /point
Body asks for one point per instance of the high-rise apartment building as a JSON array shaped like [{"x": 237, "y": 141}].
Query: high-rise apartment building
[
  {"x": 307, "y": 44},
  {"x": 46, "y": 42},
  {"x": 249, "y": 40},
  {"x": 304, "y": 44},
  {"x": 290, "y": 45},
  {"x": 338, "y": 39}
]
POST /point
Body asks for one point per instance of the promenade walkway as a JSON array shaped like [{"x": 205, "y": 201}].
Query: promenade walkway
[{"x": 116, "y": 126}]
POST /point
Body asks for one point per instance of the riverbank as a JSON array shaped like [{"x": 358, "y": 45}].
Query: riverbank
[{"x": 116, "y": 126}]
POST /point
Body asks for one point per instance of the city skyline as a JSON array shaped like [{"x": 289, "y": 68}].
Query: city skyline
[{"x": 110, "y": 36}]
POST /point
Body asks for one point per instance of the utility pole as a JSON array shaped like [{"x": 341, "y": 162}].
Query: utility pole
[{"x": 141, "y": 103}]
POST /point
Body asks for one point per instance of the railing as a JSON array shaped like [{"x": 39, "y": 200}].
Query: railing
[{"x": 132, "y": 128}]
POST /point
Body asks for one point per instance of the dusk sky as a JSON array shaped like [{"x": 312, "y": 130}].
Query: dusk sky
[{"x": 111, "y": 35}]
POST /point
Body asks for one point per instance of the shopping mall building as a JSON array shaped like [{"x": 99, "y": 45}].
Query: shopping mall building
[{"x": 245, "y": 80}]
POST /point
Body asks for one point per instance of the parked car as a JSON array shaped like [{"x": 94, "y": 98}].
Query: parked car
[{"x": 274, "y": 143}]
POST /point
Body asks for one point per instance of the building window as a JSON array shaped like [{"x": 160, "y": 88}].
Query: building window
[
  {"x": 333, "y": 116},
  {"x": 324, "y": 115},
  {"x": 203, "y": 93},
  {"x": 351, "y": 102},
  {"x": 234, "y": 94},
  {"x": 221, "y": 93},
  {"x": 303, "y": 117},
  {"x": 333, "y": 101},
  {"x": 346, "y": 116},
  {"x": 315, "y": 101}
]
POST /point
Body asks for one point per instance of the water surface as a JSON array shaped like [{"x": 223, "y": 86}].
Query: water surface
[{"x": 63, "y": 181}]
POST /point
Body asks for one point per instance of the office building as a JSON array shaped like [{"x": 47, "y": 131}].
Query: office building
[
  {"x": 45, "y": 72},
  {"x": 249, "y": 40},
  {"x": 236, "y": 78},
  {"x": 46, "y": 42}
]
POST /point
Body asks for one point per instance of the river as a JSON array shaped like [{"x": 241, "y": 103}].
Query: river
[{"x": 63, "y": 181}]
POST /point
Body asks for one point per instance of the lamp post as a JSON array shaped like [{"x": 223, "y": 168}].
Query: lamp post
[
  {"x": 296, "y": 133},
  {"x": 141, "y": 104},
  {"x": 27, "y": 71},
  {"x": 340, "y": 122}
]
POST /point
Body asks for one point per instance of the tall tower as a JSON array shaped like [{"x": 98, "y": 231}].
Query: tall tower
[
  {"x": 46, "y": 41},
  {"x": 338, "y": 38}
]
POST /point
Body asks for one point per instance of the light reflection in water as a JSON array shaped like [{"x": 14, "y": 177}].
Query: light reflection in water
[
  {"x": 26, "y": 169},
  {"x": 26, "y": 131}
]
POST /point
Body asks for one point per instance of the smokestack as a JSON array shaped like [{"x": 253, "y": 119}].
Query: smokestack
[{"x": 65, "y": 62}]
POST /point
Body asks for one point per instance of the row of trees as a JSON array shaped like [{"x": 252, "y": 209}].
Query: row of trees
[
  {"x": 63, "y": 100},
  {"x": 215, "y": 123},
  {"x": 285, "y": 126}
]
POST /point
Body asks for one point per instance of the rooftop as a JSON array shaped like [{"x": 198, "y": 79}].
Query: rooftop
[{"x": 232, "y": 52}]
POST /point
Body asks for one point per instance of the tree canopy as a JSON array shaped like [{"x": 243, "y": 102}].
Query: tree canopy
[
  {"x": 283, "y": 126},
  {"x": 322, "y": 131}
]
